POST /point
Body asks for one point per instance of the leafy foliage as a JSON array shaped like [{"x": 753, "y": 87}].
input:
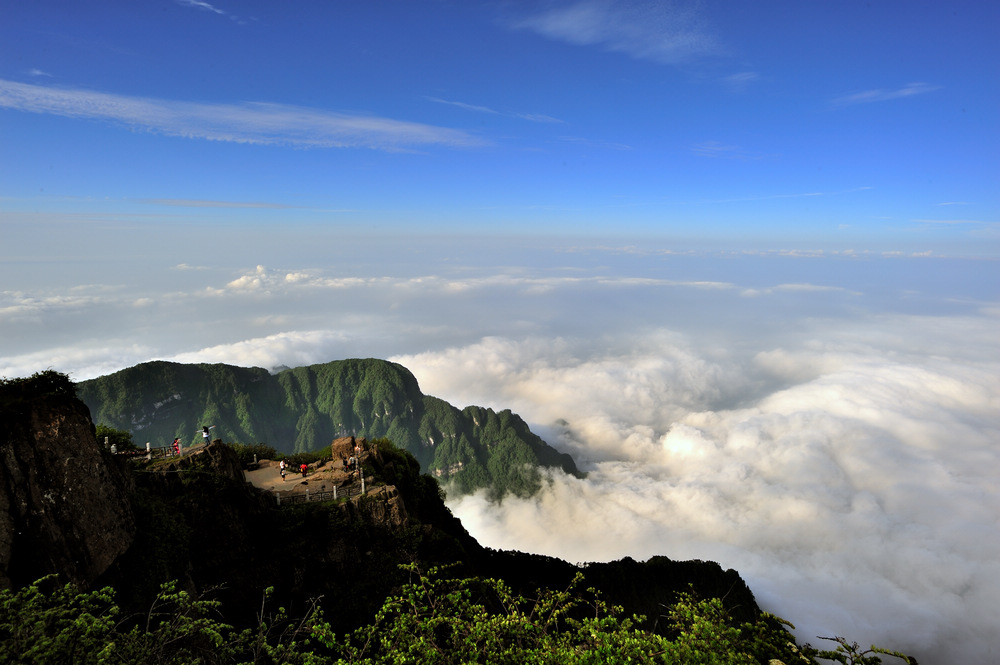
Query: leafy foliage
[
  {"x": 177, "y": 629},
  {"x": 14, "y": 392},
  {"x": 52, "y": 624},
  {"x": 433, "y": 619},
  {"x": 119, "y": 438},
  {"x": 850, "y": 653},
  {"x": 438, "y": 620},
  {"x": 48, "y": 623},
  {"x": 247, "y": 452}
]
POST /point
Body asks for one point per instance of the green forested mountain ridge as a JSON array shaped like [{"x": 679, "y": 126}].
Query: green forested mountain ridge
[{"x": 305, "y": 408}]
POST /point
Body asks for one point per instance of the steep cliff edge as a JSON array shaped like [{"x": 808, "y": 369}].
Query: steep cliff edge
[
  {"x": 70, "y": 508},
  {"x": 64, "y": 505}
]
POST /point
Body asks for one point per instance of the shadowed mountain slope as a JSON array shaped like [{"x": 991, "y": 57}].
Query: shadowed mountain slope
[{"x": 69, "y": 506}]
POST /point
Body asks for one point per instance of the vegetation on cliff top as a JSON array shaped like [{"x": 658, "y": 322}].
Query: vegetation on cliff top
[
  {"x": 303, "y": 409},
  {"x": 17, "y": 391},
  {"x": 432, "y": 619}
]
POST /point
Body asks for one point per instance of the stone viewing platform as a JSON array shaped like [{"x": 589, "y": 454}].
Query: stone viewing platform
[{"x": 323, "y": 480}]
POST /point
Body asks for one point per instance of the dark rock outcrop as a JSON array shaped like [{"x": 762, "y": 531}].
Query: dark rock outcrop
[
  {"x": 214, "y": 458},
  {"x": 64, "y": 503},
  {"x": 68, "y": 507}
]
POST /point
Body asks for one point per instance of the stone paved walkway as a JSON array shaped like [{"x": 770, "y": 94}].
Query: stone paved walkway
[{"x": 268, "y": 477}]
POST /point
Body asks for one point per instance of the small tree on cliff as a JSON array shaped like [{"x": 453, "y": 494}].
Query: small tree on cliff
[
  {"x": 119, "y": 438},
  {"x": 40, "y": 384}
]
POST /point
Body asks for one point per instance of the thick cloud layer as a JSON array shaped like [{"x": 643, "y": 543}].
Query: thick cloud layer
[
  {"x": 826, "y": 422},
  {"x": 849, "y": 478}
]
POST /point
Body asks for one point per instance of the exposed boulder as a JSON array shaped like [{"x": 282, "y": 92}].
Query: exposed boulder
[
  {"x": 382, "y": 506},
  {"x": 343, "y": 447},
  {"x": 216, "y": 458}
]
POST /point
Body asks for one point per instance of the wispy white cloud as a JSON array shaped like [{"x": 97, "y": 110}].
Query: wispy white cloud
[
  {"x": 798, "y": 288},
  {"x": 882, "y": 95},
  {"x": 717, "y": 150},
  {"x": 463, "y": 105},
  {"x": 592, "y": 143},
  {"x": 38, "y": 72},
  {"x": 741, "y": 80},
  {"x": 297, "y": 347},
  {"x": 531, "y": 117},
  {"x": 212, "y": 9},
  {"x": 250, "y": 123},
  {"x": 537, "y": 117},
  {"x": 667, "y": 33},
  {"x": 17, "y": 305},
  {"x": 198, "y": 4},
  {"x": 265, "y": 281}
]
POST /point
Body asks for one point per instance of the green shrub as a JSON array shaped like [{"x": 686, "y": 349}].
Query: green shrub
[
  {"x": 436, "y": 619},
  {"x": 432, "y": 619},
  {"x": 51, "y": 623},
  {"x": 40, "y": 384},
  {"x": 311, "y": 457},
  {"x": 119, "y": 438},
  {"x": 247, "y": 452}
]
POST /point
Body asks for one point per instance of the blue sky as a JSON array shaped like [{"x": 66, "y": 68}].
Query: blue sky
[
  {"x": 739, "y": 259},
  {"x": 835, "y": 124}
]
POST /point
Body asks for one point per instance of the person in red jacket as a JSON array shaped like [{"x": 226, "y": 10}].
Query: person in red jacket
[{"x": 303, "y": 468}]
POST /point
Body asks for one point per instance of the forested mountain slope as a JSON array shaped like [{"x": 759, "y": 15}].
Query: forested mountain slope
[{"x": 305, "y": 408}]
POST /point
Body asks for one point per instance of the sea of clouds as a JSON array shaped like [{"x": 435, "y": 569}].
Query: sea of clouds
[
  {"x": 828, "y": 424},
  {"x": 849, "y": 477}
]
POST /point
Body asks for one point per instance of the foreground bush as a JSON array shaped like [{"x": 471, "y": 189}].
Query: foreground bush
[{"x": 433, "y": 619}]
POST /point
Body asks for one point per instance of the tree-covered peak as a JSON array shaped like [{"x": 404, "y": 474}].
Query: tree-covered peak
[{"x": 302, "y": 409}]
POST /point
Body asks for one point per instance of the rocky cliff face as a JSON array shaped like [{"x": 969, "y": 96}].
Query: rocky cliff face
[
  {"x": 64, "y": 505},
  {"x": 215, "y": 458},
  {"x": 67, "y": 507}
]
